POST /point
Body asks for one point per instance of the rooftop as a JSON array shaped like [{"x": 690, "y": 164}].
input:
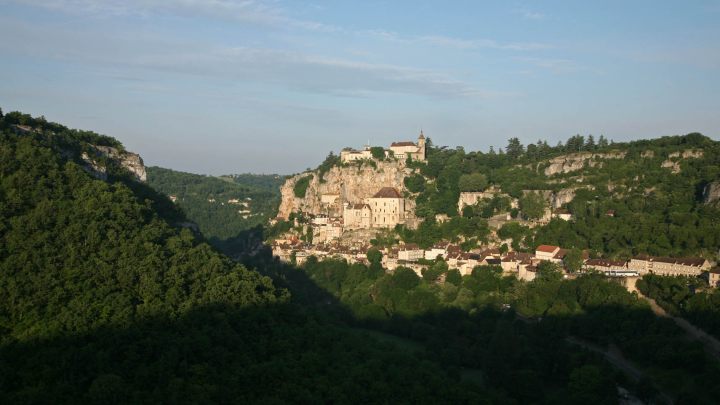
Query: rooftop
[
  {"x": 547, "y": 248},
  {"x": 387, "y": 192},
  {"x": 404, "y": 143}
]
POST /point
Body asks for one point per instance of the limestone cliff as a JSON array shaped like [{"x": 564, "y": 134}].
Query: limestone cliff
[
  {"x": 350, "y": 183},
  {"x": 674, "y": 158},
  {"x": 128, "y": 160},
  {"x": 711, "y": 194},
  {"x": 577, "y": 161}
]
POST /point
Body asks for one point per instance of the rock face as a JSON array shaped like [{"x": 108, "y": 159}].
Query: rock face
[
  {"x": 687, "y": 154},
  {"x": 674, "y": 166},
  {"x": 674, "y": 158},
  {"x": 351, "y": 183},
  {"x": 557, "y": 199},
  {"x": 577, "y": 161},
  {"x": 130, "y": 161},
  {"x": 711, "y": 194}
]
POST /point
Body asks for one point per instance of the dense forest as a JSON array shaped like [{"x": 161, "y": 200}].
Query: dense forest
[
  {"x": 222, "y": 207},
  {"x": 686, "y": 297},
  {"x": 654, "y": 210},
  {"x": 103, "y": 299}
]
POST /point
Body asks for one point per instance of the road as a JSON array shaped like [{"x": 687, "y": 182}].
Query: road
[
  {"x": 710, "y": 343},
  {"x": 614, "y": 356}
]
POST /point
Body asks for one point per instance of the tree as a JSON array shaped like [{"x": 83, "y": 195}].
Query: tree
[
  {"x": 573, "y": 260},
  {"x": 301, "y": 186},
  {"x": 378, "y": 152},
  {"x": 548, "y": 271},
  {"x": 405, "y": 278},
  {"x": 514, "y": 148},
  {"x": 472, "y": 182},
  {"x": 431, "y": 274},
  {"x": 532, "y": 205},
  {"x": 602, "y": 142},
  {"x": 415, "y": 183},
  {"x": 454, "y": 277},
  {"x": 590, "y": 143},
  {"x": 374, "y": 255}
]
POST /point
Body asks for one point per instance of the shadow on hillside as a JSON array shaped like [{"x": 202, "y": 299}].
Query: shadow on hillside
[{"x": 314, "y": 349}]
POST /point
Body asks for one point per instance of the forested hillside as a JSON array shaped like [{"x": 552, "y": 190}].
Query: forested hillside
[
  {"x": 104, "y": 300},
  {"x": 629, "y": 198},
  {"x": 221, "y": 207}
]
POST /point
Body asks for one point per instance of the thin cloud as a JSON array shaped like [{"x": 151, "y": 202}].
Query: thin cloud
[
  {"x": 530, "y": 14},
  {"x": 559, "y": 66},
  {"x": 452, "y": 42},
  {"x": 129, "y": 54},
  {"x": 250, "y": 11}
]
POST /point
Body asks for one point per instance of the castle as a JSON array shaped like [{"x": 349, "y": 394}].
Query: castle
[{"x": 401, "y": 150}]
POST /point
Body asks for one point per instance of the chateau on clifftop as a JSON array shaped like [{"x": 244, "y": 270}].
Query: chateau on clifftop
[{"x": 401, "y": 150}]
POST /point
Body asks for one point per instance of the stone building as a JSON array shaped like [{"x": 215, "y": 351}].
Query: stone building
[
  {"x": 410, "y": 253},
  {"x": 611, "y": 268},
  {"x": 714, "y": 277},
  {"x": 351, "y": 155},
  {"x": 548, "y": 253},
  {"x": 388, "y": 208},
  {"x": 357, "y": 216},
  {"x": 416, "y": 151},
  {"x": 384, "y": 209},
  {"x": 668, "y": 266},
  {"x": 401, "y": 150}
]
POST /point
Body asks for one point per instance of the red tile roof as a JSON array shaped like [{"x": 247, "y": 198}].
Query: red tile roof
[{"x": 547, "y": 248}]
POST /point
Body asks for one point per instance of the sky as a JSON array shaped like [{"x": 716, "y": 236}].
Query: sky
[{"x": 234, "y": 86}]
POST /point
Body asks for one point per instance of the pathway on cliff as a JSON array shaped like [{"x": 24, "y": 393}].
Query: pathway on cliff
[{"x": 710, "y": 343}]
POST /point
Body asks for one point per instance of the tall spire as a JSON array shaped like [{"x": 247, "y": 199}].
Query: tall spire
[{"x": 421, "y": 134}]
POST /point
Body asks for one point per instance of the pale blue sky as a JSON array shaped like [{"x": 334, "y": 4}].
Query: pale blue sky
[{"x": 227, "y": 86}]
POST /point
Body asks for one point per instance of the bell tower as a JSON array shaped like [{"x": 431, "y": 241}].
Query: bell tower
[{"x": 421, "y": 146}]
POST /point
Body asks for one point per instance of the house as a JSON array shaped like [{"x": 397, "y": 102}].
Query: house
[
  {"x": 510, "y": 262},
  {"x": 467, "y": 262},
  {"x": 357, "y": 216},
  {"x": 439, "y": 249},
  {"x": 410, "y": 253},
  {"x": 668, "y": 266},
  {"x": 527, "y": 271},
  {"x": 562, "y": 213},
  {"x": 351, "y": 155},
  {"x": 547, "y": 252},
  {"x": 714, "y": 276}
]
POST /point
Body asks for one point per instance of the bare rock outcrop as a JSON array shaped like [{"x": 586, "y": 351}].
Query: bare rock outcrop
[
  {"x": 711, "y": 193},
  {"x": 674, "y": 159},
  {"x": 128, "y": 160},
  {"x": 351, "y": 183},
  {"x": 577, "y": 161},
  {"x": 687, "y": 154},
  {"x": 556, "y": 199}
]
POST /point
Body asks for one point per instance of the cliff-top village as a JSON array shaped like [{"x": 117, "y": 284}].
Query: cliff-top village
[{"x": 342, "y": 227}]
